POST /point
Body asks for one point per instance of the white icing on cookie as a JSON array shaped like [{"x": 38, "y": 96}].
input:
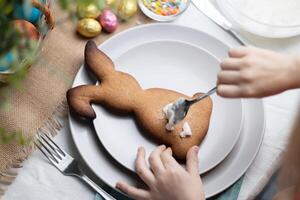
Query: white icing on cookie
[
  {"x": 169, "y": 111},
  {"x": 186, "y": 130}
]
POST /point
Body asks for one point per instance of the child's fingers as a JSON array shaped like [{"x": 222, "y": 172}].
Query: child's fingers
[
  {"x": 230, "y": 91},
  {"x": 168, "y": 160},
  {"x": 231, "y": 64},
  {"x": 155, "y": 161},
  {"x": 142, "y": 169},
  {"x": 192, "y": 161},
  {"x": 239, "y": 52},
  {"x": 131, "y": 191},
  {"x": 228, "y": 77}
]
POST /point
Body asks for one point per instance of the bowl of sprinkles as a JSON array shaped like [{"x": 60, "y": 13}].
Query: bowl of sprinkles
[{"x": 163, "y": 10}]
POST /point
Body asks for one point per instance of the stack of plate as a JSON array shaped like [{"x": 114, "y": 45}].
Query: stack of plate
[
  {"x": 181, "y": 59},
  {"x": 272, "y": 19}
]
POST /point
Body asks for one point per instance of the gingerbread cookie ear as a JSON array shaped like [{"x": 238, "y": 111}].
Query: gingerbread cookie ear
[
  {"x": 79, "y": 99},
  {"x": 97, "y": 61}
]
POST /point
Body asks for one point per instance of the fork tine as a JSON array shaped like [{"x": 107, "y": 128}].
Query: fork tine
[
  {"x": 49, "y": 149},
  {"x": 61, "y": 151},
  {"x": 55, "y": 151},
  {"x": 48, "y": 156}
]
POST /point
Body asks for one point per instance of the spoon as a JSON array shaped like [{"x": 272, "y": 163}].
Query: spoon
[{"x": 183, "y": 105}]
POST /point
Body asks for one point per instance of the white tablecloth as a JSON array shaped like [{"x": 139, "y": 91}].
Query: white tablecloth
[{"x": 39, "y": 180}]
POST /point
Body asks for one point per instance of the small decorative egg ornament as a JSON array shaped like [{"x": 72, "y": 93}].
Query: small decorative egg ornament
[
  {"x": 110, "y": 2},
  {"x": 89, "y": 27},
  {"x": 127, "y": 8},
  {"x": 108, "y": 21},
  {"x": 6, "y": 61},
  {"x": 26, "y": 29},
  {"x": 88, "y": 11},
  {"x": 30, "y": 14}
]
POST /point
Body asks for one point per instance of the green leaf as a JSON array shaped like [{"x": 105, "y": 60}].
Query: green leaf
[
  {"x": 8, "y": 9},
  {"x": 15, "y": 136},
  {"x": 64, "y": 4},
  {"x": 101, "y": 4},
  {"x": 6, "y": 138}
]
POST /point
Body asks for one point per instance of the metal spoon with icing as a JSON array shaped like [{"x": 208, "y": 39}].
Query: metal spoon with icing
[{"x": 177, "y": 110}]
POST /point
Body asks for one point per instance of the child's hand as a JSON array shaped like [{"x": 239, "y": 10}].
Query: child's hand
[
  {"x": 166, "y": 179},
  {"x": 253, "y": 72}
]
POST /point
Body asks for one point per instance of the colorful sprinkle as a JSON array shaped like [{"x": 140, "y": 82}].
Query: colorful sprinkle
[{"x": 164, "y": 7}]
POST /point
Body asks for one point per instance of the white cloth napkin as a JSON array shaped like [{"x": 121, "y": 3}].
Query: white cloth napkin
[{"x": 40, "y": 180}]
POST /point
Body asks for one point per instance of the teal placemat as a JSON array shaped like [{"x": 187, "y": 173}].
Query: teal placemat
[{"x": 231, "y": 193}]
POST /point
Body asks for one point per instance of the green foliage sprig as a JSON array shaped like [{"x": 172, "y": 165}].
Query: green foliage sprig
[
  {"x": 15, "y": 136},
  {"x": 23, "y": 57},
  {"x": 10, "y": 39}
]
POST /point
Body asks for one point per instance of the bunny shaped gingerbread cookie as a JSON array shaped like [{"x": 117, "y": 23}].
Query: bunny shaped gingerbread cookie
[{"x": 121, "y": 92}]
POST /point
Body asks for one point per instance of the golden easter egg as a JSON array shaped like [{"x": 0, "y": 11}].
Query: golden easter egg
[
  {"x": 110, "y": 2},
  {"x": 127, "y": 8},
  {"x": 88, "y": 27},
  {"x": 88, "y": 11}
]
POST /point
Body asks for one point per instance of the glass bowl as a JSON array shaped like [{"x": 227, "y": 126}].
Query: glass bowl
[
  {"x": 24, "y": 62},
  {"x": 262, "y": 27},
  {"x": 182, "y": 6}
]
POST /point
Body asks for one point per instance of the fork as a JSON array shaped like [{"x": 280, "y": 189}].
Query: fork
[
  {"x": 183, "y": 105},
  {"x": 65, "y": 163}
]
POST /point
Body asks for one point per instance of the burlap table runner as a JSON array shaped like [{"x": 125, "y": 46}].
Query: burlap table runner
[{"x": 41, "y": 99}]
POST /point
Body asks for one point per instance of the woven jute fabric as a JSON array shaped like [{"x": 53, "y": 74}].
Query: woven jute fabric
[{"x": 35, "y": 106}]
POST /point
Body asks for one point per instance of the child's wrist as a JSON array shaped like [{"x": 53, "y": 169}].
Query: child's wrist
[{"x": 295, "y": 72}]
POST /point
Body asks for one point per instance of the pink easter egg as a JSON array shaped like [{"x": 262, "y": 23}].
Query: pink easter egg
[{"x": 108, "y": 21}]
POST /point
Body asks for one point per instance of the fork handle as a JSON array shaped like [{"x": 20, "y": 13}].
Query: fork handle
[
  {"x": 237, "y": 37},
  {"x": 99, "y": 190},
  {"x": 210, "y": 92}
]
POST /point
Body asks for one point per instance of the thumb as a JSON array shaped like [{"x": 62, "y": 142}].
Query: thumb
[{"x": 192, "y": 160}]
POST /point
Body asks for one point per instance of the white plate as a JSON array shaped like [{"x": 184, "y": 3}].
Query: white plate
[
  {"x": 181, "y": 67},
  {"x": 255, "y": 26},
  {"x": 216, "y": 180}
]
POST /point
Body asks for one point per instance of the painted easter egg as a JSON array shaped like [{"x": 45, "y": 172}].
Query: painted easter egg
[
  {"x": 28, "y": 13},
  {"x": 88, "y": 27},
  {"x": 26, "y": 29},
  {"x": 108, "y": 21},
  {"x": 6, "y": 61}
]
